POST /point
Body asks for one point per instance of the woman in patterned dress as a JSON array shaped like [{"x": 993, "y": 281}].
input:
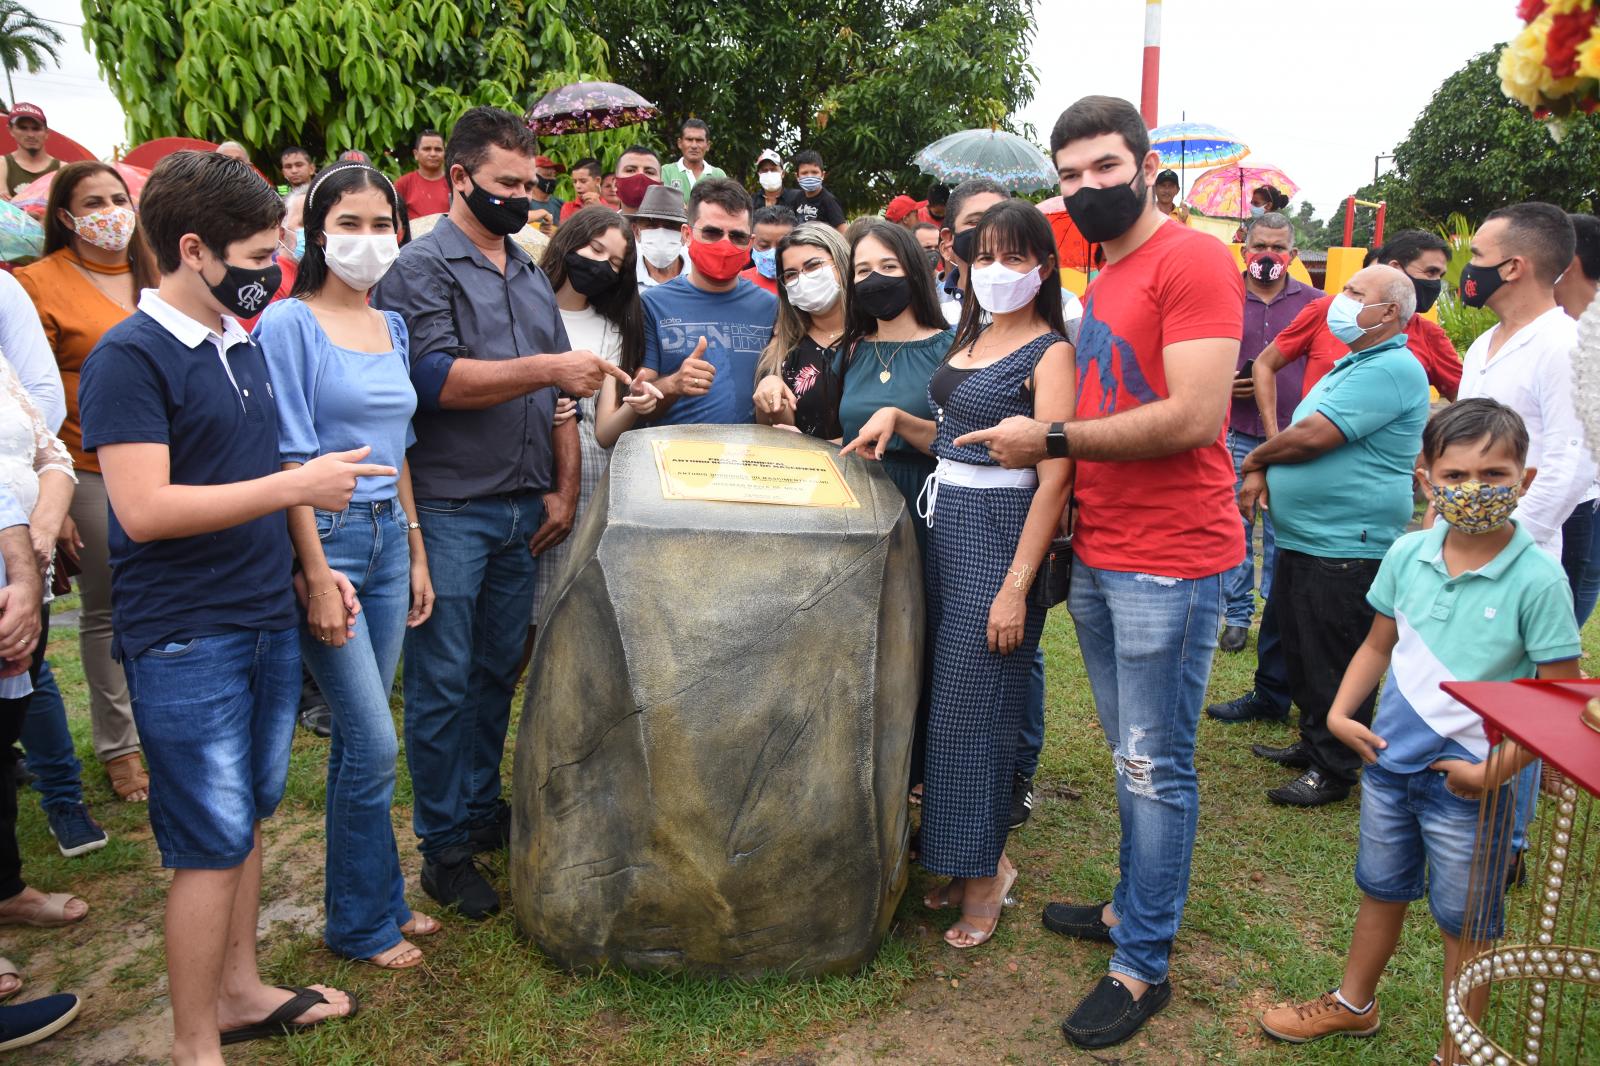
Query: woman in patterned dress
[{"x": 988, "y": 531}]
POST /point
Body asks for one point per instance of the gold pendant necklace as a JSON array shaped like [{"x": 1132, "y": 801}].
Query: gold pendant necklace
[{"x": 887, "y": 372}]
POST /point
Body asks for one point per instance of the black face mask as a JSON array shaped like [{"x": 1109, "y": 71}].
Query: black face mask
[
  {"x": 547, "y": 185},
  {"x": 590, "y": 277},
  {"x": 1427, "y": 292},
  {"x": 935, "y": 260},
  {"x": 244, "y": 291},
  {"x": 500, "y": 215},
  {"x": 1105, "y": 214},
  {"x": 881, "y": 296},
  {"x": 961, "y": 244},
  {"x": 1478, "y": 283}
]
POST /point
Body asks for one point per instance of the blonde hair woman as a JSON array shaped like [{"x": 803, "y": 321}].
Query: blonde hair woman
[{"x": 798, "y": 374}]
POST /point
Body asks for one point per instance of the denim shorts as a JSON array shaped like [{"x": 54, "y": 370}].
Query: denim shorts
[
  {"x": 1419, "y": 838},
  {"x": 216, "y": 714}
]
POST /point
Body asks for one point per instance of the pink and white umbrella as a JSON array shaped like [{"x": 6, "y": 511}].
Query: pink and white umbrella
[{"x": 1225, "y": 192}]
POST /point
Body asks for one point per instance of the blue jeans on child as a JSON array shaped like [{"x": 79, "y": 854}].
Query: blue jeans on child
[
  {"x": 1241, "y": 580},
  {"x": 461, "y": 665},
  {"x": 1417, "y": 838},
  {"x": 216, "y": 714},
  {"x": 364, "y": 893},
  {"x": 1147, "y": 645}
]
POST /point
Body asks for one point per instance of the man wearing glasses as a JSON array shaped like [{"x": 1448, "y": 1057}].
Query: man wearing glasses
[{"x": 704, "y": 330}]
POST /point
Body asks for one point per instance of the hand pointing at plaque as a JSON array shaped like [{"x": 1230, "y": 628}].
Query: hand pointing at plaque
[{"x": 581, "y": 372}]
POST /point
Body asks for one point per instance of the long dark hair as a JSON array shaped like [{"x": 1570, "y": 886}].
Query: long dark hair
[
  {"x": 58, "y": 235},
  {"x": 1012, "y": 226},
  {"x": 859, "y": 325},
  {"x": 327, "y": 189},
  {"x": 620, "y": 306}
]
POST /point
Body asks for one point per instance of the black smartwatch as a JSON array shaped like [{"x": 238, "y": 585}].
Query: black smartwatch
[{"x": 1055, "y": 440}]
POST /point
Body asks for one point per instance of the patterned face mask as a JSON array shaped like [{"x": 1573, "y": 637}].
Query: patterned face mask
[
  {"x": 110, "y": 229},
  {"x": 1473, "y": 507}
]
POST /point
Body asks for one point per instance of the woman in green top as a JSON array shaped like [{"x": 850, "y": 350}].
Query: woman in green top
[{"x": 894, "y": 339}]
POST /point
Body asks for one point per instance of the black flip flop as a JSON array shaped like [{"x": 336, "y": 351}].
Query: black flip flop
[{"x": 281, "y": 1021}]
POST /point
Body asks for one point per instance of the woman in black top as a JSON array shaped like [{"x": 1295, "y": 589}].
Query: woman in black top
[{"x": 798, "y": 375}]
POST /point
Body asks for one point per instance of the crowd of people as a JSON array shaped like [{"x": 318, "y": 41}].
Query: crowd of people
[{"x": 285, "y": 439}]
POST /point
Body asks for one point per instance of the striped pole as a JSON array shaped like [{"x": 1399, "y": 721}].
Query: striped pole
[{"x": 1150, "y": 84}]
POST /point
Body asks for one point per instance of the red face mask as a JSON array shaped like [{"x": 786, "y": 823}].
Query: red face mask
[
  {"x": 630, "y": 190},
  {"x": 718, "y": 260},
  {"x": 1268, "y": 267}
]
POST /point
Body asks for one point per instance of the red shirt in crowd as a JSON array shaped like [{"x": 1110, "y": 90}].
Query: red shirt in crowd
[
  {"x": 1173, "y": 516},
  {"x": 1307, "y": 337},
  {"x": 423, "y": 197},
  {"x": 753, "y": 274}
]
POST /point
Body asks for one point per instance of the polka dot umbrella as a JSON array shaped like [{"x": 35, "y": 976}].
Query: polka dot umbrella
[{"x": 1003, "y": 157}]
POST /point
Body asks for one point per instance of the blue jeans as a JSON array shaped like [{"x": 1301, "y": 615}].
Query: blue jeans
[
  {"x": 364, "y": 892},
  {"x": 216, "y": 714},
  {"x": 1418, "y": 838},
  {"x": 461, "y": 665},
  {"x": 1031, "y": 740},
  {"x": 1241, "y": 580},
  {"x": 1580, "y": 558},
  {"x": 1147, "y": 644},
  {"x": 57, "y": 773}
]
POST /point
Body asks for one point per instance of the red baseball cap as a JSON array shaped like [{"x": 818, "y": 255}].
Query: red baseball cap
[
  {"x": 33, "y": 111},
  {"x": 550, "y": 164},
  {"x": 901, "y": 206}
]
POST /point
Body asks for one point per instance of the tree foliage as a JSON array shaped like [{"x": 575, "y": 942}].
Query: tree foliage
[
  {"x": 330, "y": 74},
  {"x": 26, "y": 42},
  {"x": 865, "y": 82},
  {"x": 1473, "y": 149}
]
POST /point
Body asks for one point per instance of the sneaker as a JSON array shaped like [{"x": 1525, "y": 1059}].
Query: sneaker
[
  {"x": 1077, "y": 920},
  {"x": 494, "y": 834},
  {"x": 1295, "y": 756},
  {"x": 76, "y": 833},
  {"x": 1021, "y": 800},
  {"x": 1323, "y": 1016},
  {"x": 1248, "y": 708},
  {"x": 30, "y": 1022},
  {"x": 1310, "y": 789},
  {"x": 1234, "y": 638},
  {"x": 454, "y": 880},
  {"x": 1109, "y": 1014},
  {"x": 317, "y": 719}
]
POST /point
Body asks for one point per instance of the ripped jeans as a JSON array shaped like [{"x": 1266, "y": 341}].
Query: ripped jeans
[{"x": 1147, "y": 644}]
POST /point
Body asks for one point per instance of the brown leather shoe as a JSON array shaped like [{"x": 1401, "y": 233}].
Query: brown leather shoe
[{"x": 1323, "y": 1016}]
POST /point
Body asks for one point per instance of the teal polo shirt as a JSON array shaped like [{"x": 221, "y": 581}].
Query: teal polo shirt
[
  {"x": 1355, "y": 501},
  {"x": 1496, "y": 623}
]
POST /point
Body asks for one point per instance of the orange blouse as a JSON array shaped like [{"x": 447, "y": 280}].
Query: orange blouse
[{"x": 75, "y": 316}]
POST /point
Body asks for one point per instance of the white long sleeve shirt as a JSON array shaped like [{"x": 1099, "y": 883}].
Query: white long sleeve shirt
[{"x": 1532, "y": 374}]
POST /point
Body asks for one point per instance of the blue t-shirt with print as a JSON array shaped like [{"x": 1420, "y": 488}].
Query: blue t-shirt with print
[{"x": 736, "y": 325}]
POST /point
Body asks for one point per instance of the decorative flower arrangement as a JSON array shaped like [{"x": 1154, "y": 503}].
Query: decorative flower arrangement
[{"x": 1553, "y": 65}]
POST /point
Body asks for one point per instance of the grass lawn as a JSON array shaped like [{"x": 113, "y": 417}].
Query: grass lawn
[{"x": 1269, "y": 913}]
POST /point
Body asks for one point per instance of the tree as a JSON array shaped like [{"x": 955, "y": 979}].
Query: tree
[
  {"x": 25, "y": 41},
  {"x": 1473, "y": 149},
  {"x": 865, "y": 82},
  {"x": 331, "y": 74}
]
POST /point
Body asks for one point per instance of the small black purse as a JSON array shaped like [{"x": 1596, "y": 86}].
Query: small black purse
[{"x": 1054, "y": 579}]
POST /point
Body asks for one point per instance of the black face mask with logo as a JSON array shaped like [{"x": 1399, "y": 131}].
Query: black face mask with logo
[
  {"x": 244, "y": 291},
  {"x": 500, "y": 215}
]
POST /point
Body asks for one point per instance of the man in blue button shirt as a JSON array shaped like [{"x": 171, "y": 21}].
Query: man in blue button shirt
[
  {"x": 496, "y": 483},
  {"x": 1338, "y": 483}
]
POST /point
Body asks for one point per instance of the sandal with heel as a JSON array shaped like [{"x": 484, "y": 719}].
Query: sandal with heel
[{"x": 980, "y": 910}]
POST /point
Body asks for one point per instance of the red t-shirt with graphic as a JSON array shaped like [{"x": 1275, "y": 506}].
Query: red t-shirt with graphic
[{"x": 1173, "y": 516}]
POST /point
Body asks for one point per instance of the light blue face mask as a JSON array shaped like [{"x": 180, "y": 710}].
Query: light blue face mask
[
  {"x": 1257, "y": 210},
  {"x": 299, "y": 250},
  {"x": 1342, "y": 322},
  {"x": 810, "y": 183},
  {"x": 766, "y": 261}
]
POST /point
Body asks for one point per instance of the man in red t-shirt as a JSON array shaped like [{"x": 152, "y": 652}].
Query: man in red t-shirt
[
  {"x": 1423, "y": 257},
  {"x": 1157, "y": 530},
  {"x": 425, "y": 190}
]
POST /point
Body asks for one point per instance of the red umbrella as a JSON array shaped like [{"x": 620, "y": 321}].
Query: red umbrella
[
  {"x": 33, "y": 196},
  {"x": 57, "y": 144},
  {"x": 148, "y": 154}
]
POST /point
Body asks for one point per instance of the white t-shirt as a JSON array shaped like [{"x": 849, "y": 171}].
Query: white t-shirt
[
  {"x": 589, "y": 330},
  {"x": 1532, "y": 374}
]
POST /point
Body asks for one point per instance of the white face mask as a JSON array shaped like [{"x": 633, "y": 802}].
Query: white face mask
[
  {"x": 360, "y": 259},
  {"x": 661, "y": 247},
  {"x": 1000, "y": 289},
  {"x": 815, "y": 292},
  {"x": 771, "y": 180}
]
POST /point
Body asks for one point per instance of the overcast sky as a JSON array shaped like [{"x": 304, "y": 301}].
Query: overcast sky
[{"x": 1315, "y": 87}]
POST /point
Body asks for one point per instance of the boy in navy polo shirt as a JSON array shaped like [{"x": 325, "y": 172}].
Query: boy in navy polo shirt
[
  {"x": 1471, "y": 599},
  {"x": 177, "y": 402}
]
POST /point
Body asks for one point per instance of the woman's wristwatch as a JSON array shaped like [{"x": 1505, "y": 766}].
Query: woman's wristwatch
[{"x": 1055, "y": 440}]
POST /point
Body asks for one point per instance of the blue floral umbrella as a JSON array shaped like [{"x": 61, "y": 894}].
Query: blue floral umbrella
[
  {"x": 1196, "y": 144},
  {"x": 987, "y": 153}
]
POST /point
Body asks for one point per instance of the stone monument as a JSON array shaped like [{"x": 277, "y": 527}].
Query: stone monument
[{"x": 712, "y": 762}]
